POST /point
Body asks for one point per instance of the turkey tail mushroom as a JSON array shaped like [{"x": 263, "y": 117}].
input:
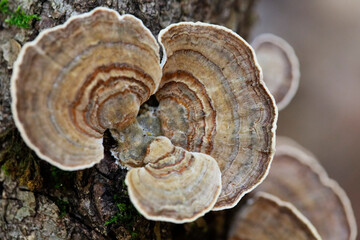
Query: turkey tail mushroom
[
  {"x": 67, "y": 85},
  {"x": 297, "y": 177},
  {"x": 213, "y": 100},
  {"x": 175, "y": 185},
  {"x": 266, "y": 217},
  {"x": 210, "y": 141},
  {"x": 280, "y": 67}
]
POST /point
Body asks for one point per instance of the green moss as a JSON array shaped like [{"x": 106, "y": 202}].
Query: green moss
[
  {"x": 18, "y": 161},
  {"x": 18, "y": 18},
  {"x": 21, "y": 163},
  {"x": 4, "y": 7},
  {"x": 5, "y": 170},
  {"x": 134, "y": 236},
  {"x": 126, "y": 214},
  {"x": 60, "y": 179},
  {"x": 63, "y": 206}
]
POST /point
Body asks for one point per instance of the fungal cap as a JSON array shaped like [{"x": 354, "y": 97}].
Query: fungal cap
[
  {"x": 297, "y": 177},
  {"x": 176, "y": 185},
  {"x": 66, "y": 82},
  {"x": 267, "y": 217},
  {"x": 280, "y": 67},
  {"x": 213, "y": 100}
]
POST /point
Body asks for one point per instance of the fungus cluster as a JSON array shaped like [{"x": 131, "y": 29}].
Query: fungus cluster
[
  {"x": 298, "y": 178},
  {"x": 267, "y": 217},
  {"x": 297, "y": 200},
  {"x": 210, "y": 140}
]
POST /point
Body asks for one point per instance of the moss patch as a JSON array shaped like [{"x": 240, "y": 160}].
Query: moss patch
[
  {"x": 18, "y": 161},
  {"x": 59, "y": 179},
  {"x": 126, "y": 211},
  {"x": 18, "y": 18},
  {"x": 126, "y": 215},
  {"x": 63, "y": 206}
]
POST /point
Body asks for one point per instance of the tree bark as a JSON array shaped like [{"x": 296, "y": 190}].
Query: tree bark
[{"x": 39, "y": 201}]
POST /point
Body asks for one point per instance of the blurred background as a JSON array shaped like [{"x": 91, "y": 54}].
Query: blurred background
[{"x": 324, "y": 115}]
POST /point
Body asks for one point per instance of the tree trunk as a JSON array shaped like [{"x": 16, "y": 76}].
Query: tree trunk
[{"x": 39, "y": 201}]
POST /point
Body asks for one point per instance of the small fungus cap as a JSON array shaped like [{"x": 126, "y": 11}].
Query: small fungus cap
[
  {"x": 212, "y": 100},
  {"x": 266, "y": 217},
  {"x": 280, "y": 67},
  {"x": 175, "y": 185},
  {"x": 297, "y": 177}
]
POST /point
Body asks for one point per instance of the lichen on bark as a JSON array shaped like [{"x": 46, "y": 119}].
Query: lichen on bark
[{"x": 39, "y": 201}]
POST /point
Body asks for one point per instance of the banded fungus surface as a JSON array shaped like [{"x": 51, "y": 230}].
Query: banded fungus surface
[
  {"x": 208, "y": 142},
  {"x": 297, "y": 177},
  {"x": 213, "y": 100},
  {"x": 280, "y": 67},
  {"x": 68, "y": 82},
  {"x": 266, "y": 217}
]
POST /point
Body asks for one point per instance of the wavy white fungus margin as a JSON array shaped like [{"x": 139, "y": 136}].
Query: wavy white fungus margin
[
  {"x": 293, "y": 59},
  {"x": 261, "y": 83},
  {"x": 292, "y": 148},
  {"x": 16, "y": 70}
]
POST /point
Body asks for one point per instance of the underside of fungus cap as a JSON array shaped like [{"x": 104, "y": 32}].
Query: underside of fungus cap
[
  {"x": 267, "y": 217},
  {"x": 212, "y": 100},
  {"x": 280, "y": 67},
  {"x": 297, "y": 177},
  {"x": 76, "y": 80}
]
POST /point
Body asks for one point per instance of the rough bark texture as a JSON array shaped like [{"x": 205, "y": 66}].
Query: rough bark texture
[{"x": 38, "y": 201}]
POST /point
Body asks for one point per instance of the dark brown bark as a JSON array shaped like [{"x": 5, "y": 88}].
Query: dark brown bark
[{"x": 85, "y": 204}]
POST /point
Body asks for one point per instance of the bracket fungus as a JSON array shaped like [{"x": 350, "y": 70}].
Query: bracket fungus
[
  {"x": 267, "y": 217},
  {"x": 68, "y": 82},
  {"x": 298, "y": 178},
  {"x": 172, "y": 176},
  {"x": 210, "y": 140},
  {"x": 280, "y": 67},
  {"x": 212, "y": 100}
]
